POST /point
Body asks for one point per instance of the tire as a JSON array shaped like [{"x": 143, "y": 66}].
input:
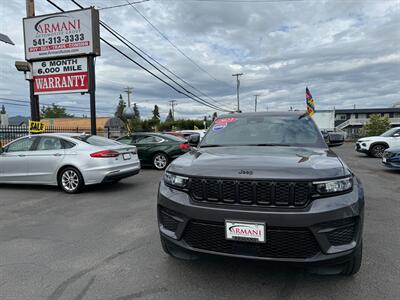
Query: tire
[
  {"x": 160, "y": 161},
  {"x": 377, "y": 150},
  {"x": 175, "y": 252},
  {"x": 70, "y": 180},
  {"x": 354, "y": 265}
]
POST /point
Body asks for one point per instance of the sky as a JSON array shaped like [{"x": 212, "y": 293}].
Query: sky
[{"x": 346, "y": 52}]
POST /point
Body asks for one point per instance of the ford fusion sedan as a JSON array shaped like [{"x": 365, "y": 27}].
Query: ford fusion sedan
[
  {"x": 263, "y": 186},
  {"x": 391, "y": 158},
  {"x": 156, "y": 149},
  {"x": 70, "y": 161},
  {"x": 375, "y": 145}
]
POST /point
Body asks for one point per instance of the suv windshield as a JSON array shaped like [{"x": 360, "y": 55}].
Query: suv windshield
[
  {"x": 390, "y": 132},
  {"x": 269, "y": 130},
  {"x": 96, "y": 140}
]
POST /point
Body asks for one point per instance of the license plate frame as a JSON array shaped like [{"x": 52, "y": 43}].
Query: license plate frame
[
  {"x": 126, "y": 156},
  {"x": 246, "y": 231},
  {"x": 384, "y": 159}
]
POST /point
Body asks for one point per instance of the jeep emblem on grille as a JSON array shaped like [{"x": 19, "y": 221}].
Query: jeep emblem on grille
[{"x": 245, "y": 172}]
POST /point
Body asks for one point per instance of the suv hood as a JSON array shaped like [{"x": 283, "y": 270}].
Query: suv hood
[
  {"x": 258, "y": 162},
  {"x": 372, "y": 138}
]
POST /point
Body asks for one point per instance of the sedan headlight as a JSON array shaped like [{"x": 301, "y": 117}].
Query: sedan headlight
[
  {"x": 175, "y": 180},
  {"x": 334, "y": 186}
]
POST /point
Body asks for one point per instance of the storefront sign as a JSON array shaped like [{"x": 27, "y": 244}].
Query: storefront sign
[
  {"x": 60, "y": 76},
  {"x": 70, "y": 33}
]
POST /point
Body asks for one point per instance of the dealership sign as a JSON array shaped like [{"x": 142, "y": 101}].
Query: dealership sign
[
  {"x": 59, "y": 76},
  {"x": 63, "y": 34}
]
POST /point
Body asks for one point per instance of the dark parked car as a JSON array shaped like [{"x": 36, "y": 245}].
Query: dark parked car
[
  {"x": 156, "y": 149},
  {"x": 391, "y": 158},
  {"x": 264, "y": 186},
  {"x": 333, "y": 138}
]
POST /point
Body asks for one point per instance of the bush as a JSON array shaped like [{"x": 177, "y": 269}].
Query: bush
[{"x": 376, "y": 125}]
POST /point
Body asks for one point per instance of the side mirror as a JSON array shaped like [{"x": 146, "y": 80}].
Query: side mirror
[
  {"x": 396, "y": 134},
  {"x": 194, "y": 140}
]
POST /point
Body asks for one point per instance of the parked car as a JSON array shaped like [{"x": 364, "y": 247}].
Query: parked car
[
  {"x": 156, "y": 149},
  {"x": 333, "y": 137},
  {"x": 70, "y": 161},
  {"x": 391, "y": 158},
  {"x": 376, "y": 145},
  {"x": 175, "y": 133},
  {"x": 263, "y": 186},
  {"x": 188, "y": 133}
]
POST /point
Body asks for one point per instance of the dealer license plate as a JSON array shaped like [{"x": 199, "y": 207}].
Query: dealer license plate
[
  {"x": 245, "y": 231},
  {"x": 126, "y": 156}
]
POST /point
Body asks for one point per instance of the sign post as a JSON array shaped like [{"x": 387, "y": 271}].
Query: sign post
[{"x": 62, "y": 49}]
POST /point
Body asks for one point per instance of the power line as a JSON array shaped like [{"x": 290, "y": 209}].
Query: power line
[
  {"x": 173, "y": 45},
  {"x": 121, "y": 5},
  {"x": 120, "y": 38},
  {"x": 158, "y": 63},
  {"x": 199, "y": 100}
]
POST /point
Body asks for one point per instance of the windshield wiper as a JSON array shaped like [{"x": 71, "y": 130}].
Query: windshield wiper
[{"x": 269, "y": 145}]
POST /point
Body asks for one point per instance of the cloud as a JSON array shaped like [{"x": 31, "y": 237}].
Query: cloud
[{"x": 347, "y": 52}]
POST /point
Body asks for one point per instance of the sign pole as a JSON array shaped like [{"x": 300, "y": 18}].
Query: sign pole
[
  {"x": 92, "y": 91},
  {"x": 35, "y": 112}
]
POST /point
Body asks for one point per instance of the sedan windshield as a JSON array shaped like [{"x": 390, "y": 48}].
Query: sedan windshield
[{"x": 270, "y": 130}]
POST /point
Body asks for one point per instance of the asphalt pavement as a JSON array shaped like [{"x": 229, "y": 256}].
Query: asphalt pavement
[{"x": 104, "y": 244}]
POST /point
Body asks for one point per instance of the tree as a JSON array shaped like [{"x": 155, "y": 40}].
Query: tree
[
  {"x": 170, "y": 117},
  {"x": 119, "y": 113},
  {"x": 155, "y": 120},
  {"x": 136, "y": 112},
  {"x": 54, "y": 111},
  {"x": 156, "y": 113},
  {"x": 214, "y": 116},
  {"x": 376, "y": 125}
]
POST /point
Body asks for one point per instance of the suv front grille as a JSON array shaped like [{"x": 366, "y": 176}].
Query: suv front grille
[
  {"x": 280, "y": 242},
  {"x": 247, "y": 192}
]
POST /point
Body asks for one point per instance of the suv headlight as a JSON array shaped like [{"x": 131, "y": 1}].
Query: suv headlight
[
  {"x": 334, "y": 186},
  {"x": 175, "y": 180}
]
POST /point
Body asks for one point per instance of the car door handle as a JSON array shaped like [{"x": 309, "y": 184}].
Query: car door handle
[
  {"x": 57, "y": 154},
  {"x": 21, "y": 155}
]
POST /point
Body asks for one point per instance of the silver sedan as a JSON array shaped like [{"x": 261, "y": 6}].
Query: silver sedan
[{"x": 70, "y": 161}]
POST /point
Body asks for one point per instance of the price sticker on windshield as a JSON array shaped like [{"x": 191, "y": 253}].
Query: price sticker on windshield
[{"x": 220, "y": 124}]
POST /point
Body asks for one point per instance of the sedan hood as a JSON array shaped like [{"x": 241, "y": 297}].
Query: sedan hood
[{"x": 260, "y": 162}]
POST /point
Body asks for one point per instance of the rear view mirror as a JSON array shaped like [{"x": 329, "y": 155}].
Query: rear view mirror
[{"x": 194, "y": 140}]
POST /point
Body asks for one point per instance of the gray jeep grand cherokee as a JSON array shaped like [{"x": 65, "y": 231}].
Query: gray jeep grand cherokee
[{"x": 263, "y": 186}]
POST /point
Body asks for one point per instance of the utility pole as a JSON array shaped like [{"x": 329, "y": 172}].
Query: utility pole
[
  {"x": 255, "y": 102},
  {"x": 237, "y": 89},
  {"x": 35, "y": 110},
  {"x": 173, "y": 104},
  {"x": 129, "y": 91}
]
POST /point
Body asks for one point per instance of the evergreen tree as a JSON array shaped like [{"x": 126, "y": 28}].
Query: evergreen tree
[
  {"x": 136, "y": 112},
  {"x": 119, "y": 113},
  {"x": 170, "y": 117},
  {"x": 214, "y": 116},
  {"x": 156, "y": 113}
]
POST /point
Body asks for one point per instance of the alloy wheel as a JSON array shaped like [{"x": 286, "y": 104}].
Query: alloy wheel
[
  {"x": 70, "y": 180},
  {"x": 377, "y": 150},
  {"x": 160, "y": 161}
]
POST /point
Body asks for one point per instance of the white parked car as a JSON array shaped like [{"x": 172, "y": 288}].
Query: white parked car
[
  {"x": 376, "y": 145},
  {"x": 70, "y": 161}
]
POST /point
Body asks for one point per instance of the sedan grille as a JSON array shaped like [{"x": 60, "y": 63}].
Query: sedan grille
[
  {"x": 246, "y": 192},
  {"x": 280, "y": 242}
]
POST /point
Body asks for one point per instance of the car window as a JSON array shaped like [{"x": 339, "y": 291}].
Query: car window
[
  {"x": 24, "y": 144},
  {"x": 266, "y": 130},
  {"x": 125, "y": 140},
  {"x": 150, "y": 140},
  {"x": 67, "y": 144},
  {"x": 49, "y": 143},
  {"x": 96, "y": 140}
]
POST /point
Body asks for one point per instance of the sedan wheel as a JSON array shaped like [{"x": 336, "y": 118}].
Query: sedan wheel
[
  {"x": 377, "y": 151},
  {"x": 160, "y": 161},
  {"x": 71, "y": 180}
]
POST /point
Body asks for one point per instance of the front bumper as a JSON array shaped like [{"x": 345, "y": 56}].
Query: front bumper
[
  {"x": 362, "y": 147},
  {"x": 327, "y": 231}
]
